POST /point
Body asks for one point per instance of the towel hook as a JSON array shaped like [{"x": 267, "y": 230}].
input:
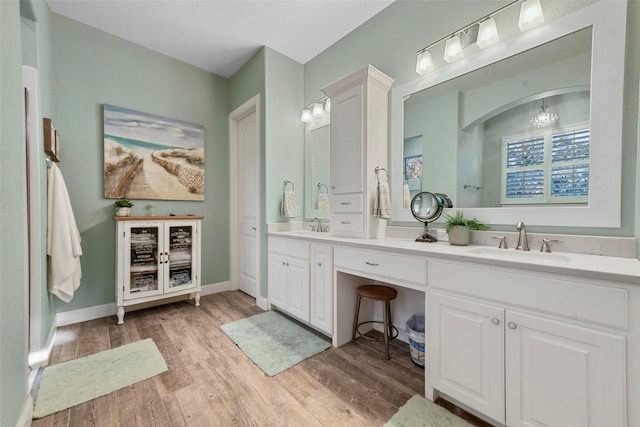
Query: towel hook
[
  {"x": 284, "y": 185},
  {"x": 320, "y": 187},
  {"x": 378, "y": 169}
]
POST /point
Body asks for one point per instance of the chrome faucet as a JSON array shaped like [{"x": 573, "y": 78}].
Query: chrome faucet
[
  {"x": 523, "y": 242},
  {"x": 318, "y": 227}
]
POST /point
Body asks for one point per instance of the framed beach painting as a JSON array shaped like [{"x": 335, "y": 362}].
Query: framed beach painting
[{"x": 152, "y": 157}]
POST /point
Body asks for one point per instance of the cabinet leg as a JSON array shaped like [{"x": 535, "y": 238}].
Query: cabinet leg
[
  {"x": 120, "y": 314},
  {"x": 197, "y": 299}
]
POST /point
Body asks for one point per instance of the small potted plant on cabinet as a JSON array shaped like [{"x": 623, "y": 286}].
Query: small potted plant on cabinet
[
  {"x": 123, "y": 207},
  {"x": 458, "y": 228}
]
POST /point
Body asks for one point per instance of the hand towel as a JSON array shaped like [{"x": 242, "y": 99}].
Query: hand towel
[
  {"x": 382, "y": 202},
  {"x": 288, "y": 204},
  {"x": 406, "y": 196},
  {"x": 63, "y": 239},
  {"x": 322, "y": 202}
]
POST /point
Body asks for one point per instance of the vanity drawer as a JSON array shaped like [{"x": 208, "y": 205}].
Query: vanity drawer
[
  {"x": 347, "y": 202},
  {"x": 347, "y": 222},
  {"x": 398, "y": 269},
  {"x": 571, "y": 297},
  {"x": 292, "y": 247}
]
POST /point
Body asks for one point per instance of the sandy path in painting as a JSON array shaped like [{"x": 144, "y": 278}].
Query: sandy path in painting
[{"x": 154, "y": 180}]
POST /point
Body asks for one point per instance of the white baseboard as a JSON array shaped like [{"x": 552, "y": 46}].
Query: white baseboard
[
  {"x": 214, "y": 288},
  {"x": 26, "y": 414},
  {"x": 40, "y": 358},
  {"x": 262, "y": 302},
  {"x": 83, "y": 314}
]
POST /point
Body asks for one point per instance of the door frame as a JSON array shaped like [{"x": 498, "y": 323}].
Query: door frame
[{"x": 250, "y": 106}]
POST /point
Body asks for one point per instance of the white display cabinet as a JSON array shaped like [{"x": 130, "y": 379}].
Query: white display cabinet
[{"x": 157, "y": 258}]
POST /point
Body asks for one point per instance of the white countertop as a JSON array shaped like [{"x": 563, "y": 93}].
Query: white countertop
[{"x": 590, "y": 266}]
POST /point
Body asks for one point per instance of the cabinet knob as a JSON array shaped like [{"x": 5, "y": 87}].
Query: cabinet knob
[
  {"x": 495, "y": 321},
  {"x": 254, "y": 229},
  {"x": 511, "y": 325},
  {"x": 319, "y": 264}
]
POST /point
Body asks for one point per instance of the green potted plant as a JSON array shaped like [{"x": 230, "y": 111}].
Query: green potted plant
[
  {"x": 123, "y": 206},
  {"x": 458, "y": 227}
]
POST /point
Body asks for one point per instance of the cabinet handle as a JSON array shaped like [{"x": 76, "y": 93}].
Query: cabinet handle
[
  {"x": 283, "y": 263},
  {"x": 511, "y": 325},
  {"x": 254, "y": 229},
  {"x": 345, "y": 203},
  {"x": 168, "y": 257},
  {"x": 345, "y": 222},
  {"x": 373, "y": 264},
  {"x": 495, "y": 321}
]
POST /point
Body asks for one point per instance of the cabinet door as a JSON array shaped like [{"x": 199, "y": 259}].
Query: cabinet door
[
  {"x": 143, "y": 275},
  {"x": 277, "y": 280},
  {"x": 467, "y": 352},
  {"x": 563, "y": 375},
  {"x": 180, "y": 256},
  {"x": 322, "y": 288},
  {"x": 347, "y": 142},
  {"x": 298, "y": 288}
]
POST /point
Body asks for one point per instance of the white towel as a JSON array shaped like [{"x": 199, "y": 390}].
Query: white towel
[
  {"x": 63, "y": 239},
  {"x": 288, "y": 204},
  {"x": 322, "y": 202},
  {"x": 406, "y": 196},
  {"x": 382, "y": 202}
]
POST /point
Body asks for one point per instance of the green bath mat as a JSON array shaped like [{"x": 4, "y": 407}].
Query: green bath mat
[
  {"x": 273, "y": 342},
  {"x": 420, "y": 412},
  {"x": 70, "y": 383}
]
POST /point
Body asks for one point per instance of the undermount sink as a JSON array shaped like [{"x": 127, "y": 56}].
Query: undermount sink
[{"x": 532, "y": 256}]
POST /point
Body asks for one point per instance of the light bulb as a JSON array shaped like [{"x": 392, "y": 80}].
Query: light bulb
[
  {"x": 453, "y": 49},
  {"x": 487, "y": 33},
  {"x": 530, "y": 15},
  {"x": 424, "y": 62},
  {"x": 306, "y": 115},
  {"x": 317, "y": 110}
]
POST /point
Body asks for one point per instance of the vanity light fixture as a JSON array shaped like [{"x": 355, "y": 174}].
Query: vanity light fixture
[
  {"x": 543, "y": 117},
  {"x": 487, "y": 33},
  {"x": 453, "y": 49},
  {"x": 530, "y": 15},
  {"x": 424, "y": 63},
  {"x": 317, "y": 111},
  {"x": 306, "y": 116}
]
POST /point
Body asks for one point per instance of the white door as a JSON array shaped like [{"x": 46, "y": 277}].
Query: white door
[
  {"x": 563, "y": 375},
  {"x": 298, "y": 288},
  {"x": 249, "y": 197},
  {"x": 347, "y": 142},
  {"x": 277, "y": 280},
  {"x": 322, "y": 288},
  {"x": 469, "y": 362}
]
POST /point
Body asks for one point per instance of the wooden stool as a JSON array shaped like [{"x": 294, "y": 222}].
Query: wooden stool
[{"x": 384, "y": 294}]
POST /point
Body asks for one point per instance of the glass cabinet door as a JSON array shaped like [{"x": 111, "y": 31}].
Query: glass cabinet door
[
  {"x": 180, "y": 258},
  {"x": 143, "y": 277}
]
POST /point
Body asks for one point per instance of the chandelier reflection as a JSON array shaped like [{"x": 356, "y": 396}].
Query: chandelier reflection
[{"x": 544, "y": 117}]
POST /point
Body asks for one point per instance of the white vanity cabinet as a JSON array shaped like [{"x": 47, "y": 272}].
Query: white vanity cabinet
[
  {"x": 157, "y": 258},
  {"x": 322, "y": 287},
  {"x": 504, "y": 345},
  {"x": 359, "y": 142},
  {"x": 288, "y": 276}
]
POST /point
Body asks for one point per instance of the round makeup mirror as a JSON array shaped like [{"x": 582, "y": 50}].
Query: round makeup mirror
[{"x": 427, "y": 207}]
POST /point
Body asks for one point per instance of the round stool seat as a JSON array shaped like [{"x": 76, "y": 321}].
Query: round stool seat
[{"x": 377, "y": 292}]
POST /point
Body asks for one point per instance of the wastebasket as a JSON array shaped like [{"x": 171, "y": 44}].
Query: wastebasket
[{"x": 415, "y": 331}]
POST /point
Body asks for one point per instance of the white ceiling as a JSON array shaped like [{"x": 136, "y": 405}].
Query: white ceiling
[{"x": 221, "y": 35}]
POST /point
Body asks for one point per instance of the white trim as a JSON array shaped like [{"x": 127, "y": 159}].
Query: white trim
[
  {"x": 26, "y": 414},
  {"x": 215, "y": 288},
  {"x": 262, "y": 302},
  {"x": 83, "y": 314},
  {"x": 41, "y": 357},
  {"x": 250, "y": 106}
]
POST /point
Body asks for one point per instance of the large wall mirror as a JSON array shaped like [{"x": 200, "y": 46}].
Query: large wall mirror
[
  {"x": 317, "y": 171},
  {"x": 466, "y": 130}
]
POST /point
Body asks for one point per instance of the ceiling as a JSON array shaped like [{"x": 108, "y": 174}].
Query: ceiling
[{"x": 221, "y": 35}]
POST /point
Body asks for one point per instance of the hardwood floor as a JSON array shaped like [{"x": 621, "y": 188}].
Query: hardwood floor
[{"x": 210, "y": 382}]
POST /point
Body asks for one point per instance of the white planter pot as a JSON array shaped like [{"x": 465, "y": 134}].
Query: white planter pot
[
  {"x": 123, "y": 211},
  {"x": 459, "y": 235}
]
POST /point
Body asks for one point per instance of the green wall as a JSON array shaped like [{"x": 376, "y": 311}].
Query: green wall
[
  {"x": 13, "y": 351},
  {"x": 92, "y": 68}
]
